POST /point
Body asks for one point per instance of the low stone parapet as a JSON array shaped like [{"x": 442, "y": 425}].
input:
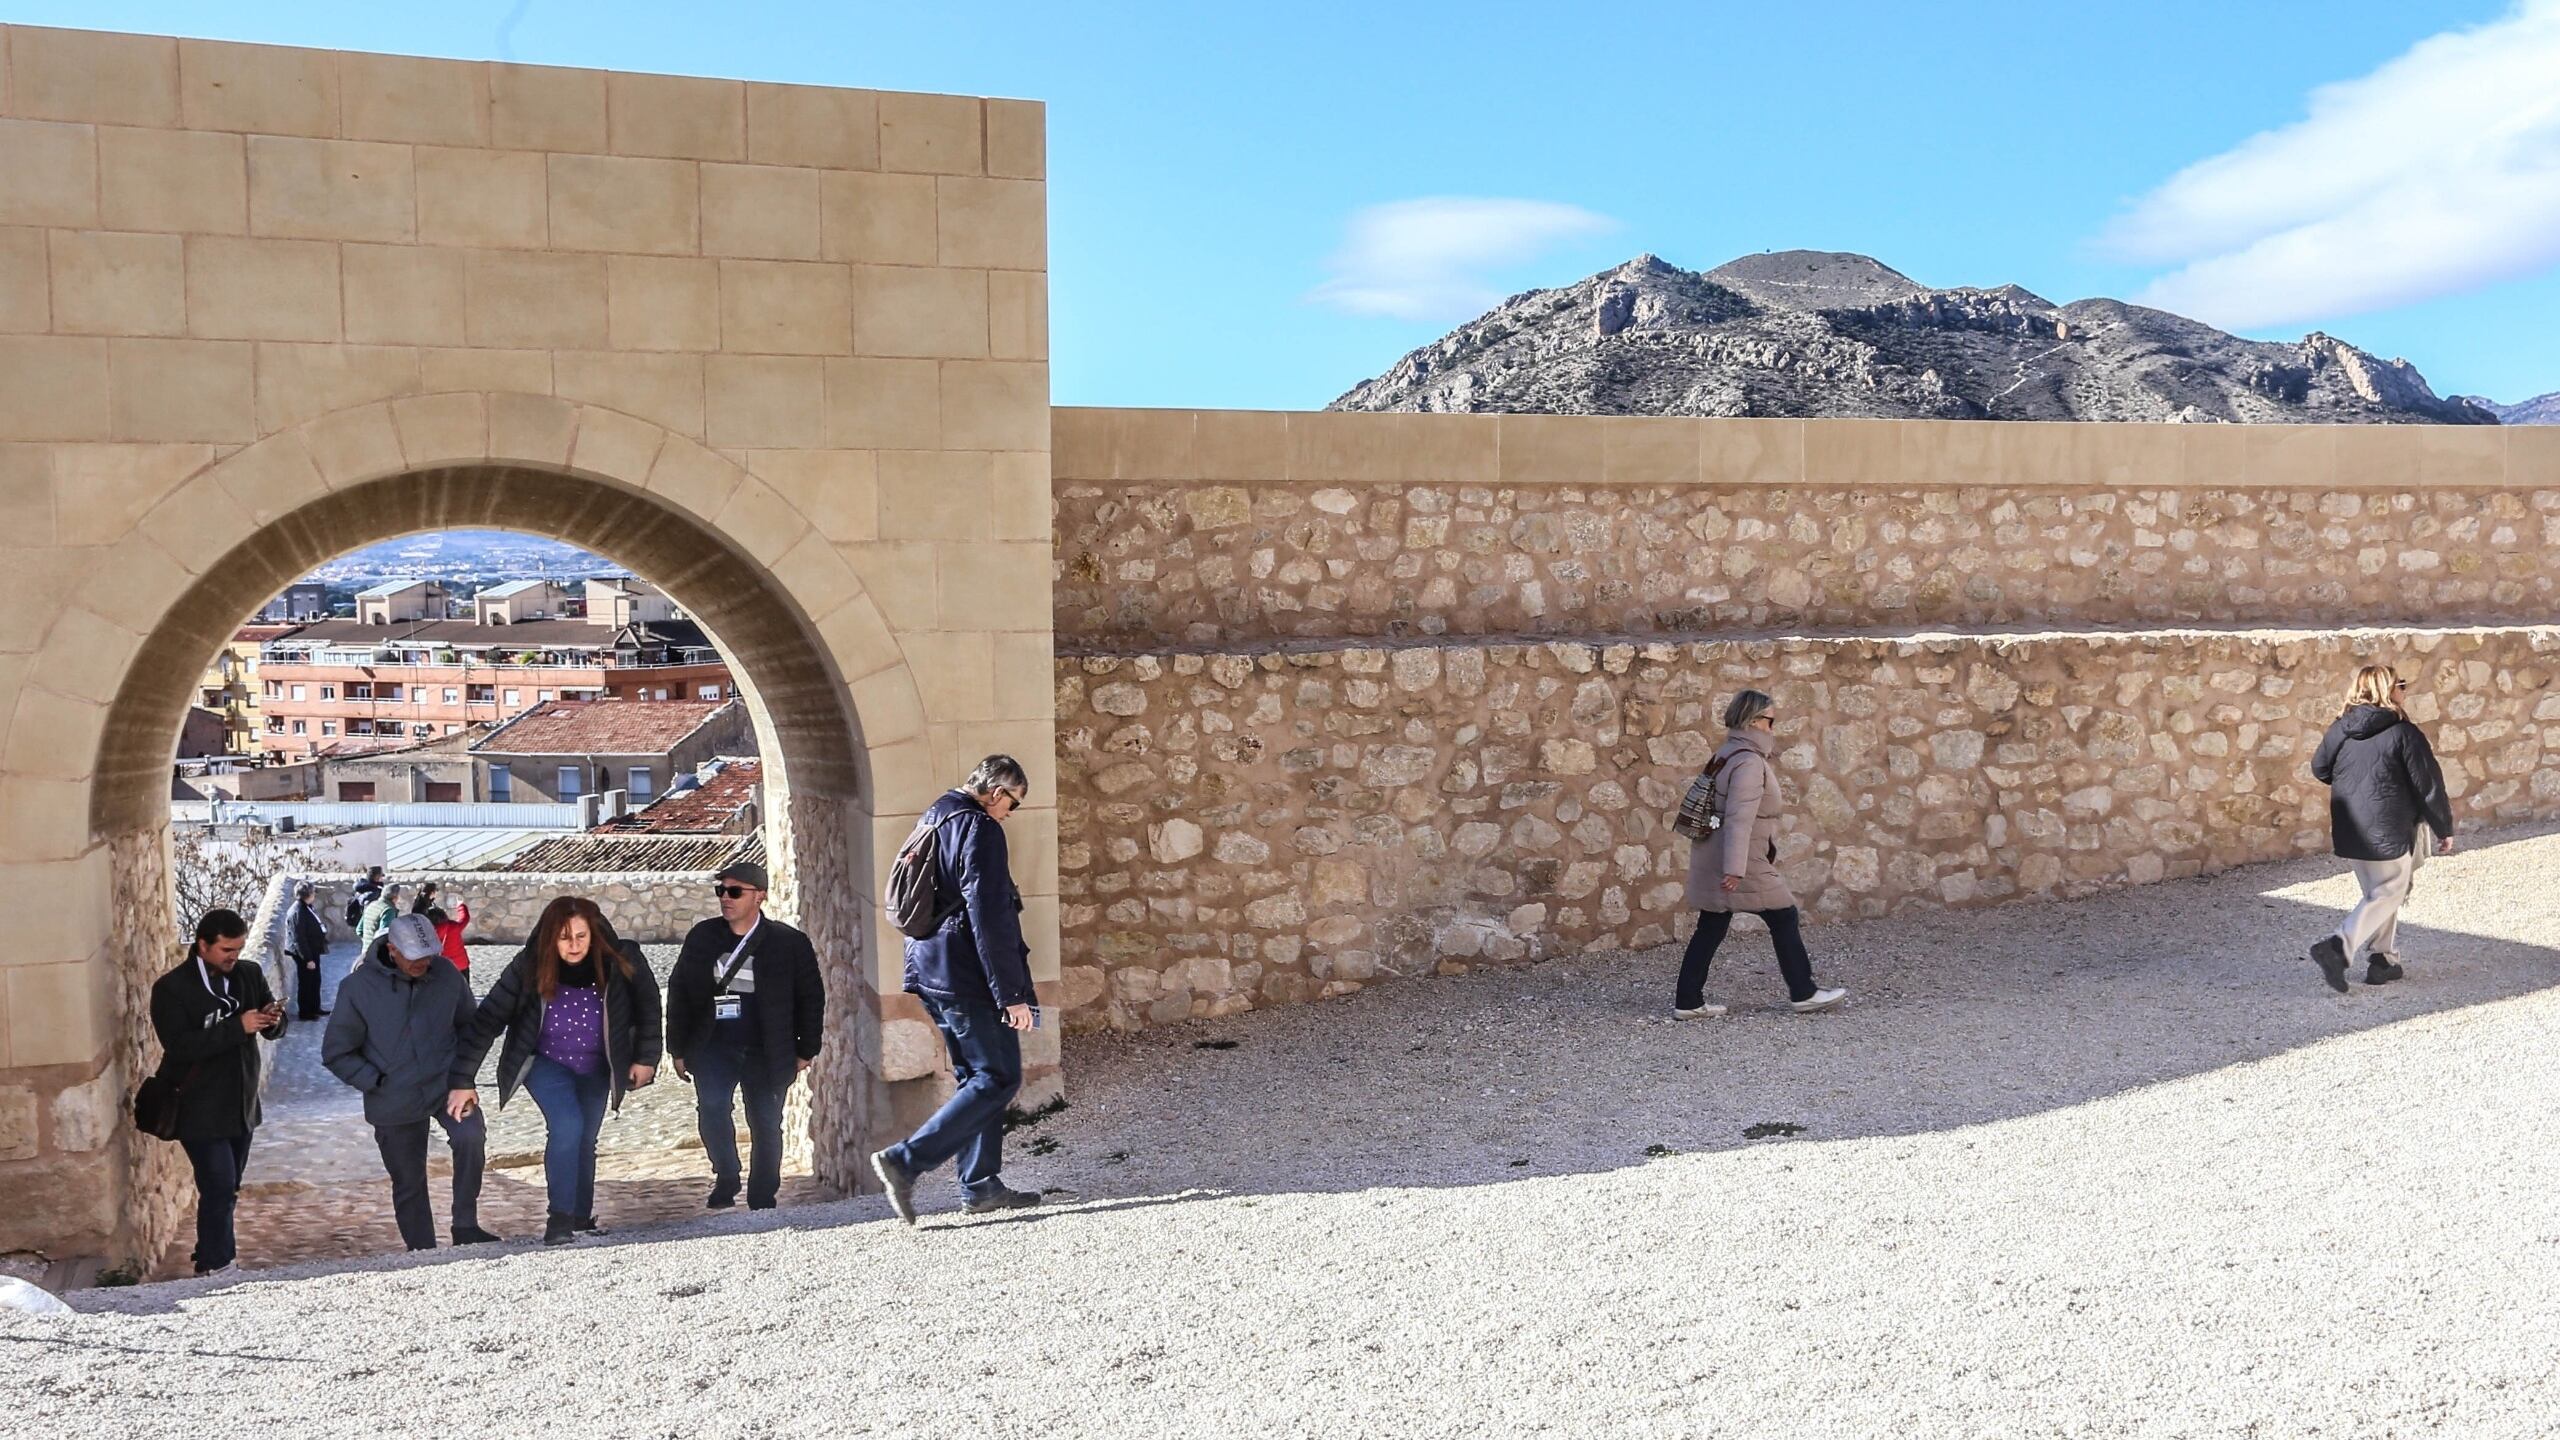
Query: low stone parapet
[{"x": 1247, "y": 829}]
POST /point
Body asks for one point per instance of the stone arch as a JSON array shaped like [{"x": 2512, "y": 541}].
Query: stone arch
[{"x": 801, "y": 633}]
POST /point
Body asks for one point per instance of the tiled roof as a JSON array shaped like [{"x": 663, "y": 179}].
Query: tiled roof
[
  {"x": 711, "y": 808},
  {"x": 601, "y": 727},
  {"x": 601, "y": 852}
]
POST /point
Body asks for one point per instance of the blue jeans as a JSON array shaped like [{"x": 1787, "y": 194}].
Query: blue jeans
[
  {"x": 572, "y": 1108},
  {"x": 986, "y": 1064},
  {"x": 218, "y": 1163},
  {"x": 720, "y": 1071}
]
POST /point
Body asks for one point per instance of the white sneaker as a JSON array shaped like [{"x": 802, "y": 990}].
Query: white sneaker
[
  {"x": 1820, "y": 1000},
  {"x": 231, "y": 1269},
  {"x": 1702, "y": 1012}
]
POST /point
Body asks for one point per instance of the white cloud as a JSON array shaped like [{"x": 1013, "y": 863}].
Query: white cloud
[
  {"x": 2437, "y": 173},
  {"x": 1429, "y": 259}
]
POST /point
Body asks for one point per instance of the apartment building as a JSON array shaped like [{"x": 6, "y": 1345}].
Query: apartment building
[
  {"x": 343, "y": 686},
  {"x": 231, "y": 689}
]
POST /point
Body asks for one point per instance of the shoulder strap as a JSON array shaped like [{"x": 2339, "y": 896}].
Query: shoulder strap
[{"x": 739, "y": 954}]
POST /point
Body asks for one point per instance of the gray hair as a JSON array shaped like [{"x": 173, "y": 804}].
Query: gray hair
[
  {"x": 1747, "y": 706},
  {"x": 996, "y": 772},
  {"x": 302, "y": 890},
  {"x": 394, "y": 892}
]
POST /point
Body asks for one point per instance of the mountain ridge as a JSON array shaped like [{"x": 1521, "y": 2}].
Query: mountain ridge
[{"x": 1819, "y": 333}]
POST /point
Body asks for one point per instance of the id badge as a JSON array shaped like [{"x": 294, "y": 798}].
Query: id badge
[{"x": 728, "y": 1007}]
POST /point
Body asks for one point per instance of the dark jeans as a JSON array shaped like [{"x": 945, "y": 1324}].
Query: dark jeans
[
  {"x": 1784, "y": 931},
  {"x": 572, "y": 1108},
  {"x": 719, "y": 1073},
  {"x": 404, "y": 1155},
  {"x": 986, "y": 1064},
  {"x": 306, "y": 987},
  {"x": 218, "y": 1164}
]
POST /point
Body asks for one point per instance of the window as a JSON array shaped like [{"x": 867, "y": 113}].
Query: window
[
  {"x": 297, "y": 692},
  {"x": 544, "y": 695},
  {"x": 515, "y": 698},
  {"x": 502, "y": 786},
  {"x": 449, "y": 729},
  {"x": 639, "y": 783},
  {"x": 330, "y": 692},
  {"x": 421, "y": 730},
  {"x": 301, "y": 727},
  {"x": 328, "y": 727},
  {"x": 444, "y": 792},
  {"x": 708, "y": 692},
  {"x": 386, "y": 692},
  {"x": 572, "y": 782},
  {"x": 355, "y": 792},
  {"x": 354, "y": 727},
  {"x": 275, "y": 689},
  {"x": 482, "y": 694},
  {"x": 275, "y": 724},
  {"x": 451, "y": 695}
]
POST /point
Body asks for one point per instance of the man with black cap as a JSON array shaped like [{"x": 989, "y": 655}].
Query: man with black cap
[
  {"x": 402, "y": 1014},
  {"x": 746, "y": 1009}
]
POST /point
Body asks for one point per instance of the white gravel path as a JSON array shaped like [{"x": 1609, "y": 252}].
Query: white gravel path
[{"x": 2120, "y": 1167}]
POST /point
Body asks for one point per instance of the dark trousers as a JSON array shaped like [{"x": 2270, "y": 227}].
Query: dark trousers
[
  {"x": 720, "y": 1072},
  {"x": 306, "y": 986},
  {"x": 986, "y": 1064},
  {"x": 1785, "y": 931},
  {"x": 404, "y": 1155},
  {"x": 572, "y": 1108},
  {"x": 218, "y": 1163}
]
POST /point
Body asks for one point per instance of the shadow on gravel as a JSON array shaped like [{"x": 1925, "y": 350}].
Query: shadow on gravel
[{"x": 1956, "y": 1018}]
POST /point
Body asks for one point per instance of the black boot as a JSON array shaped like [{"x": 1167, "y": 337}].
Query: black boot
[
  {"x": 724, "y": 1193},
  {"x": 2378, "y": 971},
  {"x": 585, "y": 1225},
  {"x": 559, "y": 1229},
  {"x": 474, "y": 1235},
  {"x": 2331, "y": 956}
]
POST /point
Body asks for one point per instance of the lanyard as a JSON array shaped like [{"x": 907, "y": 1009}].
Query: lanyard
[{"x": 737, "y": 958}]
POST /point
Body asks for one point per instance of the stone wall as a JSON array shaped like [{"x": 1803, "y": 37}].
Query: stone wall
[
  {"x": 1248, "y": 829},
  {"x": 646, "y": 907}
]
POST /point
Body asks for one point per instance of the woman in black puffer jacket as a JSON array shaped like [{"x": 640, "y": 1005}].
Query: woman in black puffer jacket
[{"x": 2386, "y": 800}]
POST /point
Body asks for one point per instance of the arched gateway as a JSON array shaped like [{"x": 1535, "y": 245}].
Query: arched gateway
[{"x": 565, "y": 302}]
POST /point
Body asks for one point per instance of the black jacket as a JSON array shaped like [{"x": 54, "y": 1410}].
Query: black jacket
[
  {"x": 791, "y": 997},
  {"x": 634, "y": 1029},
  {"x": 310, "y": 936},
  {"x": 977, "y": 952},
  {"x": 200, "y": 1033},
  {"x": 2382, "y": 780}
]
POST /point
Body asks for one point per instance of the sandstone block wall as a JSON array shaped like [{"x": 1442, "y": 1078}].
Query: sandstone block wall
[{"x": 1250, "y": 829}]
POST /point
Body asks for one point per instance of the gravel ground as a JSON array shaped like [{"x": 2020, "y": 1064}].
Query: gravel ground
[{"x": 2121, "y": 1167}]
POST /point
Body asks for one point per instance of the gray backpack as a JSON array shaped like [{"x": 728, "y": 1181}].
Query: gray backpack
[{"x": 913, "y": 901}]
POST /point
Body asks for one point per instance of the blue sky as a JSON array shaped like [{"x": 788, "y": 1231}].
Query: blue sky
[{"x": 1217, "y": 171}]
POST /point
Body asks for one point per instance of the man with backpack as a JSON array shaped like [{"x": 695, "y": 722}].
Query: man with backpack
[
  {"x": 368, "y": 890},
  {"x": 952, "y": 893},
  {"x": 746, "y": 1010}
]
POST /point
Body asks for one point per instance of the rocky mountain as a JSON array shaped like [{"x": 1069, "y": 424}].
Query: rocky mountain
[
  {"x": 2540, "y": 410},
  {"x": 1804, "y": 332}
]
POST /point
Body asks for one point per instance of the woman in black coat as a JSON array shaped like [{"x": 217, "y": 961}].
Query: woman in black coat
[
  {"x": 2384, "y": 786},
  {"x": 583, "y": 1027},
  {"x": 210, "y": 1012}
]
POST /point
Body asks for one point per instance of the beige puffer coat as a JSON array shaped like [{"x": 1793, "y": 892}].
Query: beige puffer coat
[{"x": 1752, "y": 803}]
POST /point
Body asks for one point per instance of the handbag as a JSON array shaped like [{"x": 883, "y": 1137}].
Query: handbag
[
  {"x": 1697, "y": 817},
  {"x": 155, "y": 1105}
]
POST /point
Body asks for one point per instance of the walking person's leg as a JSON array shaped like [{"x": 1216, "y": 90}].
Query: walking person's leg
[
  {"x": 1795, "y": 964},
  {"x": 996, "y": 1065},
  {"x": 764, "y": 1132},
  {"x": 2375, "y": 921},
  {"x": 404, "y": 1159},
  {"x": 1690, "y": 993},
  {"x": 468, "y": 1138},
  {"x": 217, "y": 1164},
  {"x": 715, "y": 1090},
  {"x": 555, "y": 1093},
  {"x": 593, "y": 1093},
  {"x": 986, "y": 1069}
]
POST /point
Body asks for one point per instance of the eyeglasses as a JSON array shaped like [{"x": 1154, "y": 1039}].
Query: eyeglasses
[{"x": 732, "y": 892}]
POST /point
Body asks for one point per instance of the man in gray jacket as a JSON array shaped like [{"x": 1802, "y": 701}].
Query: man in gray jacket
[{"x": 400, "y": 1016}]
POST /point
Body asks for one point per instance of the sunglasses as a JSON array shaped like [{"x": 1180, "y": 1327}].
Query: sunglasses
[
  {"x": 732, "y": 892},
  {"x": 2399, "y": 684}
]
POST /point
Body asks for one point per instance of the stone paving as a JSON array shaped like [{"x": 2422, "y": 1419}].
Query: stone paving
[{"x": 315, "y": 1188}]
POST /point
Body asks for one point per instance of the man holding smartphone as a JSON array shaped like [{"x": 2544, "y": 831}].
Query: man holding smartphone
[
  {"x": 746, "y": 1010},
  {"x": 210, "y": 1012},
  {"x": 973, "y": 975}
]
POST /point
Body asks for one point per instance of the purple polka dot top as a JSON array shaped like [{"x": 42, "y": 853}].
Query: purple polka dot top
[{"x": 573, "y": 1026}]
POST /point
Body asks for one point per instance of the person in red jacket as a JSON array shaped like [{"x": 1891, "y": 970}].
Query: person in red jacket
[{"x": 449, "y": 931}]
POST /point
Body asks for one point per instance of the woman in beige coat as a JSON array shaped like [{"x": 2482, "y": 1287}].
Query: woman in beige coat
[{"x": 1738, "y": 868}]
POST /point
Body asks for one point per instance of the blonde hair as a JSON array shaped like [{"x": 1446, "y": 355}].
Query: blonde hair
[{"x": 2374, "y": 685}]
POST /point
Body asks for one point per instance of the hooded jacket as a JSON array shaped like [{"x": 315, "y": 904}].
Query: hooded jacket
[
  {"x": 634, "y": 1029},
  {"x": 394, "y": 1038},
  {"x": 1752, "y": 804},
  {"x": 977, "y": 952},
  {"x": 2383, "y": 779}
]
